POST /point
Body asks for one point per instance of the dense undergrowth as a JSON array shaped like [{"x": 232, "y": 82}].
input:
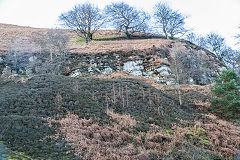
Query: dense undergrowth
[
  {"x": 25, "y": 108},
  {"x": 35, "y": 122}
]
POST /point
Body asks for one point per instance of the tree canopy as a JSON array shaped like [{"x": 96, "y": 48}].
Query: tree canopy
[
  {"x": 126, "y": 18},
  {"x": 171, "y": 22},
  {"x": 84, "y": 19}
]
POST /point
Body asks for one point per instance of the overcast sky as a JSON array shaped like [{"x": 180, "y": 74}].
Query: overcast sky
[{"x": 220, "y": 16}]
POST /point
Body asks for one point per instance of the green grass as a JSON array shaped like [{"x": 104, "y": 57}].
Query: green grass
[
  {"x": 78, "y": 40},
  {"x": 18, "y": 156},
  {"x": 106, "y": 38},
  {"x": 12, "y": 155}
]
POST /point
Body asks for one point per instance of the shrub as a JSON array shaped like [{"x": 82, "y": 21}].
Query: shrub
[{"x": 227, "y": 95}]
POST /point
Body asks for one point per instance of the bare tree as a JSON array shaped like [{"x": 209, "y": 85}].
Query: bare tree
[
  {"x": 21, "y": 54},
  {"x": 201, "y": 41},
  {"x": 171, "y": 22},
  {"x": 41, "y": 40},
  {"x": 176, "y": 25},
  {"x": 193, "y": 67},
  {"x": 236, "y": 64},
  {"x": 197, "y": 39},
  {"x": 85, "y": 19},
  {"x": 191, "y": 37},
  {"x": 176, "y": 70},
  {"x": 54, "y": 42},
  {"x": 57, "y": 42},
  {"x": 127, "y": 18},
  {"x": 216, "y": 44},
  {"x": 232, "y": 59},
  {"x": 238, "y": 37}
]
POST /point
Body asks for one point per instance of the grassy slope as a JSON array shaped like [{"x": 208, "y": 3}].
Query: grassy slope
[
  {"x": 46, "y": 118},
  {"x": 105, "y": 40},
  {"x": 25, "y": 108}
]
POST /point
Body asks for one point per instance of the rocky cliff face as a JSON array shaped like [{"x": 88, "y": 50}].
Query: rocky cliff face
[
  {"x": 155, "y": 63},
  {"x": 148, "y": 64}
]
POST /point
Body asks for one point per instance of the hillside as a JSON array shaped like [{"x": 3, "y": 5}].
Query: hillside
[
  {"x": 111, "y": 99},
  {"x": 149, "y": 56},
  {"x": 37, "y": 100},
  {"x": 47, "y": 114}
]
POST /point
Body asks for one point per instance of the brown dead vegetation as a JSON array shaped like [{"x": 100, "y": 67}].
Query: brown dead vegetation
[
  {"x": 8, "y": 33},
  {"x": 92, "y": 141},
  {"x": 219, "y": 136},
  {"x": 118, "y": 45},
  {"x": 223, "y": 135},
  {"x": 122, "y": 120},
  {"x": 192, "y": 94}
]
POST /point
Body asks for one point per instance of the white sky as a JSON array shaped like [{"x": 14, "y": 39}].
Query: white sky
[{"x": 220, "y": 16}]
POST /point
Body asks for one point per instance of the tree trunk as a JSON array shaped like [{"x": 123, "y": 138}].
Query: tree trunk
[
  {"x": 127, "y": 33},
  {"x": 167, "y": 37},
  {"x": 51, "y": 55},
  {"x": 178, "y": 86},
  {"x": 90, "y": 36},
  {"x": 114, "y": 95},
  {"x": 172, "y": 36},
  {"x": 177, "y": 79},
  {"x": 86, "y": 39},
  {"x": 165, "y": 32}
]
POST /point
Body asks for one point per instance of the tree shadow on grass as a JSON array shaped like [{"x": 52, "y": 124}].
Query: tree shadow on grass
[{"x": 133, "y": 37}]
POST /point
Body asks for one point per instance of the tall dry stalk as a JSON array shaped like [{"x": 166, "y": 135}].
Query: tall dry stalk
[
  {"x": 127, "y": 96},
  {"x": 114, "y": 94},
  {"x": 175, "y": 65}
]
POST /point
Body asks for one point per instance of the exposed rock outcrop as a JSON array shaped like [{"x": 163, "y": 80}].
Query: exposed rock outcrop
[{"x": 157, "y": 65}]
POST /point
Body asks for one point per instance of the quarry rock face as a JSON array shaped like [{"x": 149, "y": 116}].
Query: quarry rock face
[
  {"x": 148, "y": 66},
  {"x": 157, "y": 65},
  {"x": 134, "y": 67}
]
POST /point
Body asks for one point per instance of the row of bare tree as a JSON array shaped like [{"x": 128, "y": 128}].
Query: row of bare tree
[
  {"x": 217, "y": 45},
  {"x": 85, "y": 19}
]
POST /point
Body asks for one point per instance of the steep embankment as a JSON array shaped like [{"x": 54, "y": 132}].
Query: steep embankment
[
  {"x": 53, "y": 117},
  {"x": 26, "y": 109},
  {"x": 106, "y": 100}
]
